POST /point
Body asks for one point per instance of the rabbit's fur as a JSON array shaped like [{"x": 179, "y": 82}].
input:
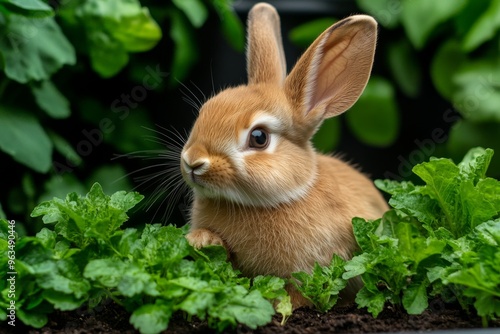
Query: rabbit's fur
[{"x": 278, "y": 209}]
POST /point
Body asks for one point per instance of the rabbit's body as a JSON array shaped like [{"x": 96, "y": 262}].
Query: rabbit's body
[
  {"x": 260, "y": 189},
  {"x": 292, "y": 236}
]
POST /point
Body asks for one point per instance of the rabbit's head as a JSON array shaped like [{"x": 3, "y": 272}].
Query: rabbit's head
[{"x": 251, "y": 144}]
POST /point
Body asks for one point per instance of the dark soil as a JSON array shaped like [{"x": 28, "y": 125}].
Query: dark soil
[{"x": 113, "y": 319}]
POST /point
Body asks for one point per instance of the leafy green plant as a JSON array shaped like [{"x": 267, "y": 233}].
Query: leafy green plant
[
  {"x": 441, "y": 238},
  {"x": 462, "y": 39},
  {"x": 34, "y": 48},
  {"x": 393, "y": 263},
  {"x": 455, "y": 197},
  {"x": 450, "y": 45},
  {"x": 479, "y": 271},
  {"x": 53, "y": 54},
  {"x": 152, "y": 272},
  {"x": 323, "y": 285}
]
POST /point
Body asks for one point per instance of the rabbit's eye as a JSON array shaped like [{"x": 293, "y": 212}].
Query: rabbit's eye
[{"x": 259, "y": 139}]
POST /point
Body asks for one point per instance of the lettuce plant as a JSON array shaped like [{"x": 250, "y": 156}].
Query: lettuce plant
[
  {"x": 442, "y": 237},
  {"x": 154, "y": 272}
]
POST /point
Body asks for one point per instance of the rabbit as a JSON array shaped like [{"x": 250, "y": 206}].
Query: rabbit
[{"x": 259, "y": 187}]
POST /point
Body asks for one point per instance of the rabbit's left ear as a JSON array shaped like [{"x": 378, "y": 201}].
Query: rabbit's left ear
[
  {"x": 265, "y": 55},
  {"x": 333, "y": 72}
]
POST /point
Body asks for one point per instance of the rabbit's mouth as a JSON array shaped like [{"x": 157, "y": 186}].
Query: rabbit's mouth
[
  {"x": 194, "y": 181},
  {"x": 199, "y": 184},
  {"x": 205, "y": 189}
]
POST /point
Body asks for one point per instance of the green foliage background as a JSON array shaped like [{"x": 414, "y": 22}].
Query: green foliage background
[
  {"x": 59, "y": 126},
  {"x": 454, "y": 46}
]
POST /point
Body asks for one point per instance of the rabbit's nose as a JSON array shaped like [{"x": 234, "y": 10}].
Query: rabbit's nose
[{"x": 197, "y": 167}]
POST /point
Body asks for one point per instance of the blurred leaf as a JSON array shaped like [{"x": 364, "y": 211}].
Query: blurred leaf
[
  {"x": 65, "y": 149},
  {"x": 231, "y": 25},
  {"x": 304, "y": 34},
  {"x": 185, "y": 51},
  {"x": 136, "y": 33},
  {"x": 374, "y": 117},
  {"x": 35, "y": 8},
  {"x": 328, "y": 135},
  {"x": 151, "y": 318},
  {"x": 468, "y": 16},
  {"x": 484, "y": 28},
  {"x": 107, "y": 55},
  {"x": 28, "y": 185},
  {"x": 386, "y": 12},
  {"x": 195, "y": 11},
  {"x": 420, "y": 18},
  {"x": 478, "y": 95},
  {"x": 33, "y": 150},
  {"x": 34, "y": 319},
  {"x": 405, "y": 67},
  {"x": 61, "y": 300},
  {"x": 113, "y": 28},
  {"x": 2, "y": 213},
  {"x": 446, "y": 62},
  {"x": 50, "y": 100},
  {"x": 34, "y": 49},
  {"x": 465, "y": 135},
  {"x": 113, "y": 178},
  {"x": 112, "y": 9}
]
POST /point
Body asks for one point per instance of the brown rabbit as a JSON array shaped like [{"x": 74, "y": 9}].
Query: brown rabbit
[{"x": 260, "y": 189}]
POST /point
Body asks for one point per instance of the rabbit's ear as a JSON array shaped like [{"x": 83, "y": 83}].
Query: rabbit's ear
[
  {"x": 334, "y": 70},
  {"x": 265, "y": 55}
]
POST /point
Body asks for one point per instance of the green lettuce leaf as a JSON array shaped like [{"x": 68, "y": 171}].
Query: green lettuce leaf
[
  {"x": 442, "y": 238},
  {"x": 323, "y": 285}
]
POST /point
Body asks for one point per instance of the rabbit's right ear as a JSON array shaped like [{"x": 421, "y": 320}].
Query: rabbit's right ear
[
  {"x": 265, "y": 55},
  {"x": 333, "y": 72}
]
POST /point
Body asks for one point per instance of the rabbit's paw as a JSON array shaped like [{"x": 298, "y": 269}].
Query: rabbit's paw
[{"x": 202, "y": 237}]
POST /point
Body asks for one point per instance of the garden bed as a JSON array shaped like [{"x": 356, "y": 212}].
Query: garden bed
[
  {"x": 111, "y": 318},
  {"x": 158, "y": 280}
]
